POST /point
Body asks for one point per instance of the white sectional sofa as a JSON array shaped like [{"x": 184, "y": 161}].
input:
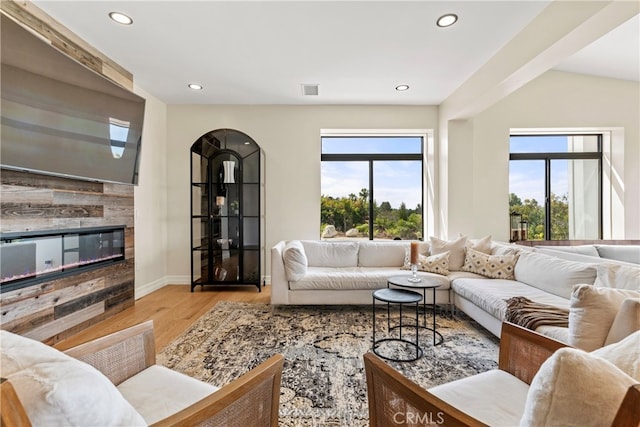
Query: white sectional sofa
[{"x": 346, "y": 272}]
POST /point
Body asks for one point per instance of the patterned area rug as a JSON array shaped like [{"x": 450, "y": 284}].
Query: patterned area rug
[{"x": 323, "y": 382}]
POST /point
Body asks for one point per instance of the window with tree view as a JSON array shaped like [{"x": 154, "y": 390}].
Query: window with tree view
[
  {"x": 372, "y": 187},
  {"x": 555, "y": 183}
]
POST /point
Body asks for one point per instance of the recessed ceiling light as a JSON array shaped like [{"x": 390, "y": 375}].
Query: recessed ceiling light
[
  {"x": 402, "y": 88},
  {"x": 447, "y": 20},
  {"x": 195, "y": 86},
  {"x": 121, "y": 18}
]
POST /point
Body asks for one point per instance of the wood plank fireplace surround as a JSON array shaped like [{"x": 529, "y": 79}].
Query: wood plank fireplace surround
[{"x": 57, "y": 304}]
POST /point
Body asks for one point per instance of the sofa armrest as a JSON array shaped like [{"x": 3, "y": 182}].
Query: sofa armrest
[
  {"x": 279, "y": 282},
  {"x": 119, "y": 355},
  {"x": 522, "y": 351}
]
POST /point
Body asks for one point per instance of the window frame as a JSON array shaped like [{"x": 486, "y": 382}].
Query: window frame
[
  {"x": 373, "y": 157},
  {"x": 547, "y": 157}
]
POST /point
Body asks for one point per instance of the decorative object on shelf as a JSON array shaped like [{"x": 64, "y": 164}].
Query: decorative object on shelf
[
  {"x": 414, "y": 263},
  {"x": 229, "y": 171},
  {"x": 519, "y": 227}
]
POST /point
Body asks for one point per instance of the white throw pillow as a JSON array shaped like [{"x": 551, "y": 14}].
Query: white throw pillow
[
  {"x": 295, "y": 261},
  {"x": 618, "y": 276},
  {"x": 625, "y": 354},
  {"x": 592, "y": 311},
  {"x": 456, "y": 248},
  {"x": 574, "y": 388},
  {"x": 483, "y": 244},
  {"x": 626, "y": 322},
  {"x": 551, "y": 274},
  {"x": 56, "y": 389},
  {"x": 493, "y": 266}
]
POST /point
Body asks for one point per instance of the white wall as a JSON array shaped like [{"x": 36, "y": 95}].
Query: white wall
[
  {"x": 479, "y": 156},
  {"x": 151, "y": 200},
  {"x": 290, "y": 138}
]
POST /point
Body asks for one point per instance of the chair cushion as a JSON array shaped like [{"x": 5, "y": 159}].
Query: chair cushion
[
  {"x": 158, "y": 392},
  {"x": 56, "y": 389},
  {"x": 625, "y": 354},
  {"x": 592, "y": 312},
  {"x": 493, "y": 397},
  {"x": 575, "y": 388},
  {"x": 295, "y": 260}
]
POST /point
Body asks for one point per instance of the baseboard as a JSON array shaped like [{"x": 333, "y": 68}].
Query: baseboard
[{"x": 147, "y": 288}]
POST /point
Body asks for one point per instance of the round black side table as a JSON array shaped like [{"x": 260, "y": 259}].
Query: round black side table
[{"x": 400, "y": 297}]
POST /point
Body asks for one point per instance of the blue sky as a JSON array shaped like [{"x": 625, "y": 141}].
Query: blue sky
[{"x": 394, "y": 181}]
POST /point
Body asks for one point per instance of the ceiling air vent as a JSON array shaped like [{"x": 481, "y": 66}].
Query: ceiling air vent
[{"x": 309, "y": 90}]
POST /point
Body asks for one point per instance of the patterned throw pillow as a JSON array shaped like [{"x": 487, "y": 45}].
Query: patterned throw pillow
[
  {"x": 493, "y": 266},
  {"x": 438, "y": 264}
]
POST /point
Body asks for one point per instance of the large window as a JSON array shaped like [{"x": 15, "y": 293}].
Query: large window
[
  {"x": 555, "y": 182},
  {"x": 372, "y": 186}
]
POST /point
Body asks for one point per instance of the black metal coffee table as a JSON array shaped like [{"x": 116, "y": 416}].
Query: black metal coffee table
[
  {"x": 426, "y": 283},
  {"x": 400, "y": 297}
]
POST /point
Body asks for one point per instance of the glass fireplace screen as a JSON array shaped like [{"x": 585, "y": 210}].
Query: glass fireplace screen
[{"x": 37, "y": 256}]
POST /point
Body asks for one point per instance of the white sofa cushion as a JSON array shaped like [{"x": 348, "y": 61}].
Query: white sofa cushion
[
  {"x": 625, "y": 354},
  {"x": 331, "y": 254},
  {"x": 626, "y": 253},
  {"x": 588, "y": 250},
  {"x": 610, "y": 275},
  {"x": 493, "y": 397},
  {"x": 484, "y": 244},
  {"x": 490, "y": 294},
  {"x": 592, "y": 312},
  {"x": 158, "y": 392},
  {"x": 551, "y": 274},
  {"x": 574, "y": 388},
  {"x": 382, "y": 254},
  {"x": 295, "y": 260},
  {"x": 493, "y": 266},
  {"x": 626, "y": 322},
  {"x": 456, "y": 248},
  {"x": 56, "y": 389}
]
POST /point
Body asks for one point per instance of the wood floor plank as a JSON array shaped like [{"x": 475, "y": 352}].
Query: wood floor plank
[{"x": 173, "y": 310}]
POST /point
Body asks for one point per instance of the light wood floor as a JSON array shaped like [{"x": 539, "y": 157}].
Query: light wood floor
[{"x": 172, "y": 308}]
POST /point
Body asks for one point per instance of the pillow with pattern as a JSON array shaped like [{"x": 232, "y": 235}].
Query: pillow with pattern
[
  {"x": 438, "y": 264},
  {"x": 493, "y": 266}
]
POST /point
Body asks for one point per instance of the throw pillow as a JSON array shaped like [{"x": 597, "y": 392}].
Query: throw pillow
[
  {"x": 483, "y": 244},
  {"x": 617, "y": 276},
  {"x": 493, "y": 266},
  {"x": 592, "y": 311},
  {"x": 456, "y": 248},
  {"x": 626, "y": 322},
  {"x": 575, "y": 388},
  {"x": 625, "y": 354},
  {"x": 56, "y": 389},
  {"x": 295, "y": 261},
  {"x": 438, "y": 264}
]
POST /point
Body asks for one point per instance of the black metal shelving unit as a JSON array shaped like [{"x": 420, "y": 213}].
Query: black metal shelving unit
[{"x": 226, "y": 210}]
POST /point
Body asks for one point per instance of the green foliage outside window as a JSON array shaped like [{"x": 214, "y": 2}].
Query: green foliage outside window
[{"x": 533, "y": 212}]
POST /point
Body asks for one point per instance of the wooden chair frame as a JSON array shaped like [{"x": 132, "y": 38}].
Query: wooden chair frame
[
  {"x": 255, "y": 395},
  {"x": 522, "y": 352}
]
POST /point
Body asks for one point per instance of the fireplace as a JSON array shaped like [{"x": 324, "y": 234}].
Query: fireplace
[{"x": 29, "y": 258}]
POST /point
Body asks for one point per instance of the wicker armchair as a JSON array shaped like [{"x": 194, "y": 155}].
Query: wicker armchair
[
  {"x": 394, "y": 399},
  {"x": 251, "y": 400}
]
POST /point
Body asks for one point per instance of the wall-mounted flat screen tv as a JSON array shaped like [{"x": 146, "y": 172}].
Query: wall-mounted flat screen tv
[{"x": 60, "y": 117}]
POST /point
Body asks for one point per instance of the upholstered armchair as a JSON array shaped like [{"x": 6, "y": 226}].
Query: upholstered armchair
[
  {"x": 539, "y": 382},
  {"x": 114, "y": 380}
]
